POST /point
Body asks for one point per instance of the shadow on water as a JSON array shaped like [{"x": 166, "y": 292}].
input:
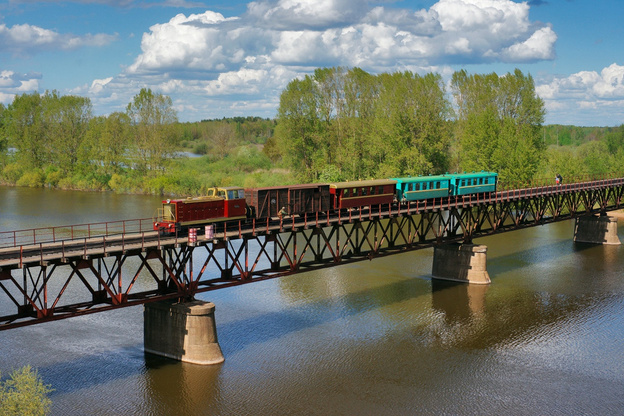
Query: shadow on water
[
  {"x": 102, "y": 368},
  {"x": 543, "y": 254},
  {"x": 92, "y": 370}
]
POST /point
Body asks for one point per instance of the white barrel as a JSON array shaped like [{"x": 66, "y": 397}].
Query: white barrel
[
  {"x": 192, "y": 235},
  {"x": 209, "y": 232}
]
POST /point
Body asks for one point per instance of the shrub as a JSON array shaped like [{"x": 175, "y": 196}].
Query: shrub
[
  {"x": 33, "y": 178},
  {"x": 12, "y": 172},
  {"x": 24, "y": 393}
]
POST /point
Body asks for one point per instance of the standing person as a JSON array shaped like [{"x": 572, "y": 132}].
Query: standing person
[
  {"x": 282, "y": 212},
  {"x": 557, "y": 179}
]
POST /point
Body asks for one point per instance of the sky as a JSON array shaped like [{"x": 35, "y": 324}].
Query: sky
[{"x": 226, "y": 58}]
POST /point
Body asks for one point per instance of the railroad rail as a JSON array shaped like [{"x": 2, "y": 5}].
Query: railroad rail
[{"x": 50, "y": 275}]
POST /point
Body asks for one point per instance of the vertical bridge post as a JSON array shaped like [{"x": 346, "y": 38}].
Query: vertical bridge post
[
  {"x": 596, "y": 230},
  {"x": 182, "y": 331},
  {"x": 461, "y": 263}
]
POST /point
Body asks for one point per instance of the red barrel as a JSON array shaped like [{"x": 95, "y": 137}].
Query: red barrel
[{"x": 192, "y": 235}]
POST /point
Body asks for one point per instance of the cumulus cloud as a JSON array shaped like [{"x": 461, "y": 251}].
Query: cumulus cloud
[
  {"x": 598, "y": 94},
  {"x": 12, "y": 83},
  {"x": 26, "y": 39},
  {"x": 300, "y": 35},
  {"x": 304, "y": 33}
]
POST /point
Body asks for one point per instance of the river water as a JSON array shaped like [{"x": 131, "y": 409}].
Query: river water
[{"x": 371, "y": 338}]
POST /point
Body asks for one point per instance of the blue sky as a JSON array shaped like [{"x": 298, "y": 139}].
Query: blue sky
[{"x": 223, "y": 58}]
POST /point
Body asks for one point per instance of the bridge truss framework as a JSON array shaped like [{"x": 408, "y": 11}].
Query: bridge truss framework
[{"x": 52, "y": 281}]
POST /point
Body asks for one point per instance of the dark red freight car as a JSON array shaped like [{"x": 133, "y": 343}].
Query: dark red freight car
[
  {"x": 294, "y": 199},
  {"x": 357, "y": 194},
  {"x": 221, "y": 204}
]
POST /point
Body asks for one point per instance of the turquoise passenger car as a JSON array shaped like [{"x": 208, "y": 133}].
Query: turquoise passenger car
[
  {"x": 472, "y": 183},
  {"x": 417, "y": 188}
]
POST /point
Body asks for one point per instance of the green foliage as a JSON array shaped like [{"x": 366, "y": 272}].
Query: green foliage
[
  {"x": 12, "y": 172},
  {"x": 349, "y": 124},
  {"x": 217, "y": 138},
  {"x": 153, "y": 130},
  {"x": 499, "y": 124},
  {"x": 24, "y": 394},
  {"x": 333, "y": 125},
  {"x": 33, "y": 178}
]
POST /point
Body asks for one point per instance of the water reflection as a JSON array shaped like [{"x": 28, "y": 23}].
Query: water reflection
[
  {"x": 460, "y": 302},
  {"x": 174, "y": 388}
]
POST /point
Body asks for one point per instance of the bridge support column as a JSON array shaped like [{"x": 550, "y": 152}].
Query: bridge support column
[
  {"x": 596, "y": 230},
  {"x": 182, "y": 331},
  {"x": 461, "y": 263}
]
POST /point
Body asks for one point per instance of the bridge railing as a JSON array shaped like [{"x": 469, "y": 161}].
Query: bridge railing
[
  {"x": 544, "y": 182},
  {"x": 34, "y": 236}
]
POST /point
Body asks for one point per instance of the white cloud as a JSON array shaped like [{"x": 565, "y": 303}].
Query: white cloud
[
  {"x": 599, "y": 95},
  {"x": 313, "y": 33},
  {"x": 12, "y": 83},
  {"x": 540, "y": 46},
  {"x": 27, "y": 39},
  {"x": 251, "y": 57},
  {"x": 98, "y": 84}
]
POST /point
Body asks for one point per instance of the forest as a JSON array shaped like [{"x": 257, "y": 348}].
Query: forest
[{"x": 333, "y": 125}]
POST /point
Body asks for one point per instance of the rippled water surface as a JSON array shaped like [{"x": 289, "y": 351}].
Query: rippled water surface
[{"x": 371, "y": 338}]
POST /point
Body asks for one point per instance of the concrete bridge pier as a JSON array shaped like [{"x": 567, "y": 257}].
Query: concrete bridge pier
[
  {"x": 461, "y": 263},
  {"x": 596, "y": 230},
  {"x": 182, "y": 331}
]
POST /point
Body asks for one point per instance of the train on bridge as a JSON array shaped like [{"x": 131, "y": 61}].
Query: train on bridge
[{"x": 223, "y": 204}]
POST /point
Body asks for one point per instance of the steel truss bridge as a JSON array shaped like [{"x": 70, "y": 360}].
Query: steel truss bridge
[{"x": 55, "y": 273}]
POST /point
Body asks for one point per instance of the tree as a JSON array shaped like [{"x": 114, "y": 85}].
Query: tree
[
  {"x": 67, "y": 118},
  {"x": 298, "y": 127},
  {"x": 411, "y": 115},
  {"x": 4, "y": 142},
  {"x": 24, "y": 393},
  {"x": 25, "y": 127},
  {"x": 499, "y": 123},
  {"x": 352, "y": 125},
  {"x": 153, "y": 119},
  {"x": 106, "y": 143},
  {"x": 222, "y": 137}
]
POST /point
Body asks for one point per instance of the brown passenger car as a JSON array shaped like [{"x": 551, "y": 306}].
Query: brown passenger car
[{"x": 357, "y": 194}]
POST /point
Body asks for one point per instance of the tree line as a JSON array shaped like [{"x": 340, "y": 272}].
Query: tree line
[
  {"x": 54, "y": 140},
  {"x": 335, "y": 124}
]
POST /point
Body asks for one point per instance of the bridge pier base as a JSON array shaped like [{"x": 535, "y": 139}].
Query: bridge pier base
[
  {"x": 596, "y": 230},
  {"x": 182, "y": 331},
  {"x": 461, "y": 263}
]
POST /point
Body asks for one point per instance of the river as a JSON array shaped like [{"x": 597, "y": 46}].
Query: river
[{"x": 370, "y": 338}]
